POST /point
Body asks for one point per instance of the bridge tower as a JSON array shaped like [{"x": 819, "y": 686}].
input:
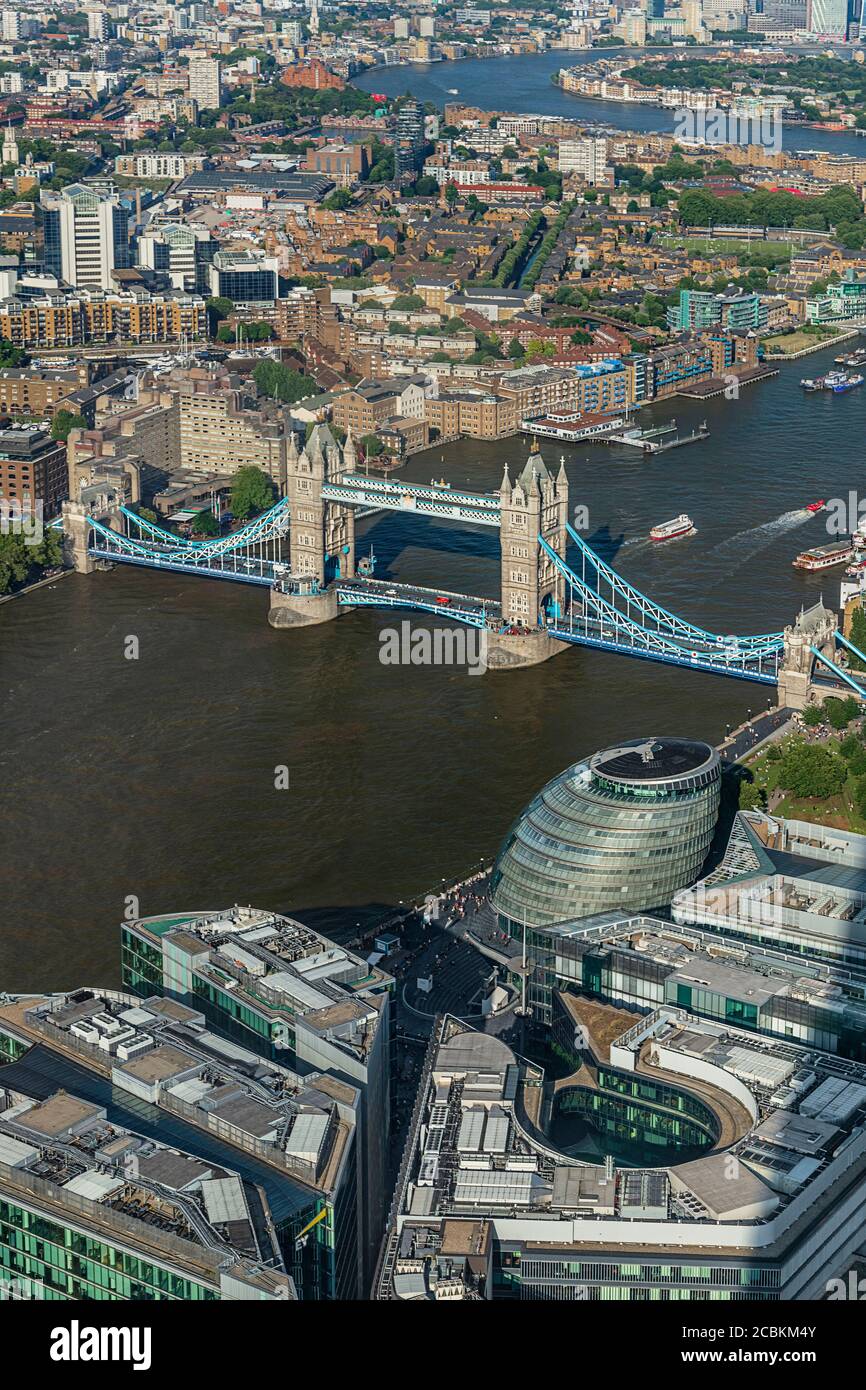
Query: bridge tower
[
  {"x": 322, "y": 542},
  {"x": 322, "y": 533},
  {"x": 76, "y": 527},
  {"x": 813, "y": 627},
  {"x": 531, "y": 585},
  {"x": 76, "y": 536},
  {"x": 535, "y": 505}
]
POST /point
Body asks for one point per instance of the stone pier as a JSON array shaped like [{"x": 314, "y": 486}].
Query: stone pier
[
  {"x": 507, "y": 652},
  {"x": 302, "y": 610}
]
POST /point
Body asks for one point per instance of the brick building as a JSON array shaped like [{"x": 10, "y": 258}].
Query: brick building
[
  {"x": 480, "y": 416},
  {"x": 313, "y": 74},
  {"x": 32, "y": 469}
]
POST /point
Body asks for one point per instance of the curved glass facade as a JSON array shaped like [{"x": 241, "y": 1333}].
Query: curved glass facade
[{"x": 624, "y": 830}]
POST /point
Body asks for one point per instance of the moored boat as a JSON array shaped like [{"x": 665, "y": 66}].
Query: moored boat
[
  {"x": 821, "y": 557},
  {"x": 850, "y": 381}
]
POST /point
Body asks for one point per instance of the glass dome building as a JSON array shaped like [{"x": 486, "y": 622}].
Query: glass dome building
[{"x": 624, "y": 830}]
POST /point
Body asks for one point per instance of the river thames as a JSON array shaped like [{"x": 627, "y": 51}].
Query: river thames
[
  {"x": 524, "y": 83},
  {"x": 154, "y": 779}
]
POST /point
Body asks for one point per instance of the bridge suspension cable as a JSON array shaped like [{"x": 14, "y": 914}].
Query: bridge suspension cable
[
  {"x": 649, "y": 611},
  {"x": 601, "y": 624}
]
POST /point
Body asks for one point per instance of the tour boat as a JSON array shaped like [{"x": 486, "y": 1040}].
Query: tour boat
[
  {"x": 816, "y": 506},
  {"x": 821, "y": 557},
  {"x": 852, "y": 359},
  {"x": 681, "y": 525}
]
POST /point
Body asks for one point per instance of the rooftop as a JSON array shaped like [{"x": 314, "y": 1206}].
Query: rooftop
[
  {"x": 160, "y": 1051},
  {"x": 792, "y": 1117},
  {"x": 282, "y": 967}
]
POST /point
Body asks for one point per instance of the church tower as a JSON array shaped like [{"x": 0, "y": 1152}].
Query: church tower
[{"x": 10, "y": 147}]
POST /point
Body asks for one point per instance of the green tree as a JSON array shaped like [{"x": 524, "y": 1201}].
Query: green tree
[
  {"x": 406, "y": 303},
  {"x": 451, "y": 194},
  {"x": 338, "y": 200},
  {"x": 21, "y": 562},
  {"x": 12, "y": 356},
  {"x": 218, "y": 308},
  {"x": 515, "y": 349},
  {"x": 204, "y": 523},
  {"x": 858, "y": 637},
  {"x": 839, "y": 713},
  {"x": 812, "y": 716},
  {"x": 64, "y": 421},
  {"x": 372, "y": 445},
  {"x": 281, "y": 383},
  {"x": 813, "y": 771},
  {"x": 252, "y": 491}
]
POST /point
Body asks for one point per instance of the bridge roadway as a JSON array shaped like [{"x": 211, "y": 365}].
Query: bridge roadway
[
  {"x": 592, "y": 632},
  {"x": 433, "y": 500},
  {"x": 380, "y": 593},
  {"x": 231, "y": 564}
]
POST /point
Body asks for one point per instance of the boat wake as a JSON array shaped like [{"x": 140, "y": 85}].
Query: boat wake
[{"x": 748, "y": 543}]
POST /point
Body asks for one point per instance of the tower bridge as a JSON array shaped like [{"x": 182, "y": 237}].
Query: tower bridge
[{"x": 555, "y": 591}]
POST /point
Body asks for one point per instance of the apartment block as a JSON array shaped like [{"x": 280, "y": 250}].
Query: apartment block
[{"x": 473, "y": 414}]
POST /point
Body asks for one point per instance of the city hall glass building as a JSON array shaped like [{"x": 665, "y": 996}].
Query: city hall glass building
[{"x": 625, "y": 829}]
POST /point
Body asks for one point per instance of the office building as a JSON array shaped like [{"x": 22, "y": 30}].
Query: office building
[
  {"x": 243, "y": 276},
  {"x": 645, "y": 962},
  {"x": 828, "y": 19},
  {"x": 786, "y": 884},
  {"x": 743, "y": 1166},
  {"x": 282, "y": 991},
  {"x": 218, "y": 430},
  {"x": 182, "y": 250},
  {"x": 192, "y": 1138},
  {"x": 32, "y": 470},
  {"x": 205, "y": 87},
  {"x": 86, "y": 236},
  {"x": 624, "y": 830},
  {"x": 95, "y": 1207}
]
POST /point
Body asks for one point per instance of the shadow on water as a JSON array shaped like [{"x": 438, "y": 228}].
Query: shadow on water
[
  {"x": 391, "y": 536},
  {"x": 606, "y": 545}
]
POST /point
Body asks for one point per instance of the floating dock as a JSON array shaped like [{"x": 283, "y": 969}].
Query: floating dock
[{"x": 654, "y": 441}]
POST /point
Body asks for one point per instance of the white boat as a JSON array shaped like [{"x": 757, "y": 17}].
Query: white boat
[
  {"x": 681, "y": 525},
  {"x": 452, "y": 91}
]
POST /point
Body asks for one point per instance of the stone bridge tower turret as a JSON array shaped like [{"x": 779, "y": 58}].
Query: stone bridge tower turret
[
  {"x": 322, "y": 533},
  {"x": 535, "y": 505},
  {"x": 813, "y": 627}
]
